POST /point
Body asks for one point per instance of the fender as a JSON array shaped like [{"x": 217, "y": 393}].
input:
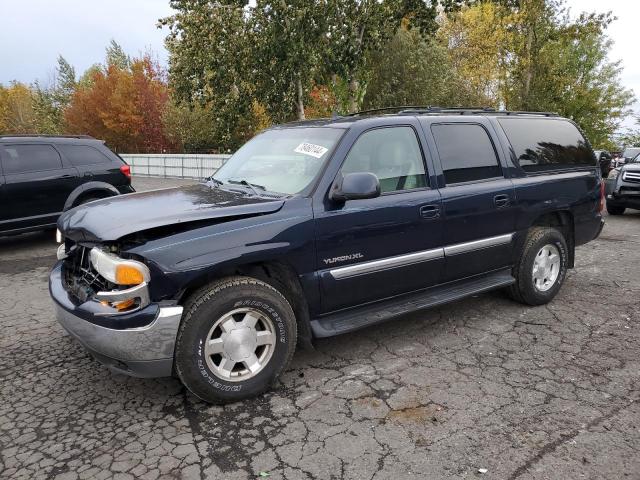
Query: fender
[{"x": 89, "y": 187}]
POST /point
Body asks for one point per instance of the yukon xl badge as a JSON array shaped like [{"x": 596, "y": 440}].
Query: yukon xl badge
[{"x": 343, "y": 258}]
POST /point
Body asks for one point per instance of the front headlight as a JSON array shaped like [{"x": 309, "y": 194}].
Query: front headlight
[
  {"x": 613, "y": 174},
  {"x": 118, "y": 270}
]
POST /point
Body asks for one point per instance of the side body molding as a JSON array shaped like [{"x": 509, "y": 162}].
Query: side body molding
[{"x": 417, "y": 257}]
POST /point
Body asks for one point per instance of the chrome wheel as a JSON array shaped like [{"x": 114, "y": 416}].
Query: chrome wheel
[
  {"x": 240, "y": 344},
  {"x": 546, "y": 267}
]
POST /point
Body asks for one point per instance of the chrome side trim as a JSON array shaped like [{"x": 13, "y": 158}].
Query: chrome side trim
[
  {"x": 386, "y": 263},
  {"x": 478, "y": 244}
]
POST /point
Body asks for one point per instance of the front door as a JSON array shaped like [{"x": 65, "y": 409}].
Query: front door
[
  {"x": 377, "y": 248},
  {"x": 478, "y": 202},
  {"x": 36, "y": 184}
]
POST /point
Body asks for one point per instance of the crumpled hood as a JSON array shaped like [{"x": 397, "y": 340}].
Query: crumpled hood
[{"x": 112, "y": 218}]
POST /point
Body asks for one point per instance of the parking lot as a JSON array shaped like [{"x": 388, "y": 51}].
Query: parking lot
[{"x": 547, "y": 392}]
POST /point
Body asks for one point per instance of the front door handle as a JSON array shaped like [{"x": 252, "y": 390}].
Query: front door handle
[
  {"x": 430, "y": 211},
  {"x": 501, "y": 201}
]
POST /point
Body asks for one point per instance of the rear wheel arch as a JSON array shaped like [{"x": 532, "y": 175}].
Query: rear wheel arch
[
  {"x": 85, "y": 191},
  {"x": 563, "y": 221}
]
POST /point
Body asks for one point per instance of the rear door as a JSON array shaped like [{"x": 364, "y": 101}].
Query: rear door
[
  {"x": 377, "y": 248},
  {"x": 93, "y": 164},
  {"x": 37, "y": 184},
  {"x": 478, "y": 202}
]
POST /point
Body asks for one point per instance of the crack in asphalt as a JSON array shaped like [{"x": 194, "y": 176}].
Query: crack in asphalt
[{"x": 544, "y": 392}]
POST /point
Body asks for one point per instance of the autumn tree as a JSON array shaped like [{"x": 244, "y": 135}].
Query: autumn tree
[
  {"x": 17, "y": 114},
  {"x": 123, "y": 106}
]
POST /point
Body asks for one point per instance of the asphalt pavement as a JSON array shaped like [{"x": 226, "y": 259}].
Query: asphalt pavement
[{"x": 483, "y": 388}]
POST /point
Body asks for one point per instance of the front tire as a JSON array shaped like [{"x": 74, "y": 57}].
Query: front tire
[
  {"x": 237, "y": 336},
  {"x": 615, "y": 210},
  {"x": 542, "y": 267}
]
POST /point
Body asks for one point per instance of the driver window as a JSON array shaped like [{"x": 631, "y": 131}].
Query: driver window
[{"x": 392, "y": 154}]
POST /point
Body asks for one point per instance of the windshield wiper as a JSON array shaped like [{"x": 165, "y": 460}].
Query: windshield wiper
[
  {"x": 252, "y": 186},
  {"x": 215, "y": 181}
]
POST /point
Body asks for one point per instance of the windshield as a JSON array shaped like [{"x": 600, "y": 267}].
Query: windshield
[
  {"x": 631, "y": 152},
  {"x": 284, "y": 160}
]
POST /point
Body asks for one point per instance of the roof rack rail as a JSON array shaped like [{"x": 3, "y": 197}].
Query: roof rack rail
[
  {"x": 42, "y": 135},
  {"x": 399, "y": 108},
  {"x": 419, "y": 109}
]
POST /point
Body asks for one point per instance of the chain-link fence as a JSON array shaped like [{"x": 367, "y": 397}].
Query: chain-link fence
[{"x": 174, "y": 165}]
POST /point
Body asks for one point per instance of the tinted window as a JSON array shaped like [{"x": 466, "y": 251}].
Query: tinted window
[
  {"x": 547, "y": 144},
  {"x": 29, "y": 158},
  {"x": 392, "y": 154},
  {"x": 83, "y": 155},
  {"x": 466, "y": 153}
]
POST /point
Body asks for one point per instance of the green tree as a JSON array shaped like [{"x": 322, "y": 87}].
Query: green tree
[
  {"x": 529, "y": 55},
  {"x": 289, "y": 46},
  {"x": 413, "y": 70},
  {"x": 50, "y": 102},
  {"x": 116, "y": 56},
  {"x": 210, "y": 47}
]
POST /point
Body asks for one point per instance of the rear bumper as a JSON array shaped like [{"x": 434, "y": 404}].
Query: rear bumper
[{"x": 141, "y": 351}]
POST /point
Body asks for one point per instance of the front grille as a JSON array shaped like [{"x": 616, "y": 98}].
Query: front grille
[
  {"x": 81, "y": 279},
  {"x": 631, "y": 177}
]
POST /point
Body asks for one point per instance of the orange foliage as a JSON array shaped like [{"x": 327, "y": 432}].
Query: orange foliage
[
  {"x": 123, "y": 107},
  {"x": 321, "y": 103}
]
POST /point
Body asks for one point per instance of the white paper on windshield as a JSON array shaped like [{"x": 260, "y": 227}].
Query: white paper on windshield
[{"x": 316, "y": 151}]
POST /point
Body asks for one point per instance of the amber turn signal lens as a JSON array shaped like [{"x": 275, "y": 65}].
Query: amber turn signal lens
[
  {"x": 128, "y": 275},
  {"x": 124, "y": 304}
]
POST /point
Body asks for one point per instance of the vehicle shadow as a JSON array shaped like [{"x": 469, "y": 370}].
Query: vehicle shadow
[{"x": 27, "y": 241}]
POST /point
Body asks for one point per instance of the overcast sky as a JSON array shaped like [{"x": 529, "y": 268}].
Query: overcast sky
[{"x": 35, "y": 32}]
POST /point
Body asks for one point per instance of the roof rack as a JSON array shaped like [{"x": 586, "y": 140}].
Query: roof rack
[
  {"x": 399, "y": 108},
  {"x": 420, "y": 110},
  {"x": 41, "y": 135}
]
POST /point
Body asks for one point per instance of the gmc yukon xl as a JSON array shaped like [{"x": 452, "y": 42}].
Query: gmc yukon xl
[{"x": 317, "y": 228}]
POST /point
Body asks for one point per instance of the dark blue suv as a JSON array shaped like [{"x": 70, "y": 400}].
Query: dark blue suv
[{"x": 317, "y": 228}]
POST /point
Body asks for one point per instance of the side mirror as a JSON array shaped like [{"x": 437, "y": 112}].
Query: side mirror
[{"x": 355, "y": 186}]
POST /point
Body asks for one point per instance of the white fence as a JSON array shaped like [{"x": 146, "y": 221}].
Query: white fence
[{"x": 177, "y": 166}]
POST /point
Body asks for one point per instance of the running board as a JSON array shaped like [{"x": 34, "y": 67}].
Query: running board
[{"x": 356, "y": 318}]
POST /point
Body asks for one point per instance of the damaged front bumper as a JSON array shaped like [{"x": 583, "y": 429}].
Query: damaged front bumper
[{"x": 139, "y": 343}]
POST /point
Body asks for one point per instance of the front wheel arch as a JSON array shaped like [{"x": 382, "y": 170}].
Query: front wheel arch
[{"x": 279, "y": 275}]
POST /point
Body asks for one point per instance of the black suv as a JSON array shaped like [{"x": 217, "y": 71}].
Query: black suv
[
  {"x": 42, "y": 176},
  {"x": 317, "y": 228}
]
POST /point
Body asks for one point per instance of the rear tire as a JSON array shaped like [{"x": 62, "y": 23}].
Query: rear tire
[
  {"x": 615, "y": 210},
  {"x": 237, "y": 336},
  {"x": 542, "y": 267}
]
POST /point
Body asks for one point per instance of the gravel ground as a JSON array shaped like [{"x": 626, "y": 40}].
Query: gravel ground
[{"x": 526, "y": 393}]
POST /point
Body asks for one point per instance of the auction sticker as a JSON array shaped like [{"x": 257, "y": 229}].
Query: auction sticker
[{"x": 316, "y": 151}]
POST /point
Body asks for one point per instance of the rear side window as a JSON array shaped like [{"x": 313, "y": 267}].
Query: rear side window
[
  {"x": 547, "y": 144},
  {"x": 80, "y": 155},
  {"x": 29, "y": 158},
  {"x": 466, "y": 152}
]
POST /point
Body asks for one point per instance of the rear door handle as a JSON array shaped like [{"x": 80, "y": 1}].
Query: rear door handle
[
  {"x": 501, "y": 200},
  {"x": 430, "y": 211}
]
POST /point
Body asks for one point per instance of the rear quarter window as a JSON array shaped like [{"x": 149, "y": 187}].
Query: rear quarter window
[
  {"x": 80, "y": 155},
  {"x": 29, "y": 158},
  {"x": 546, "y": 144}
]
